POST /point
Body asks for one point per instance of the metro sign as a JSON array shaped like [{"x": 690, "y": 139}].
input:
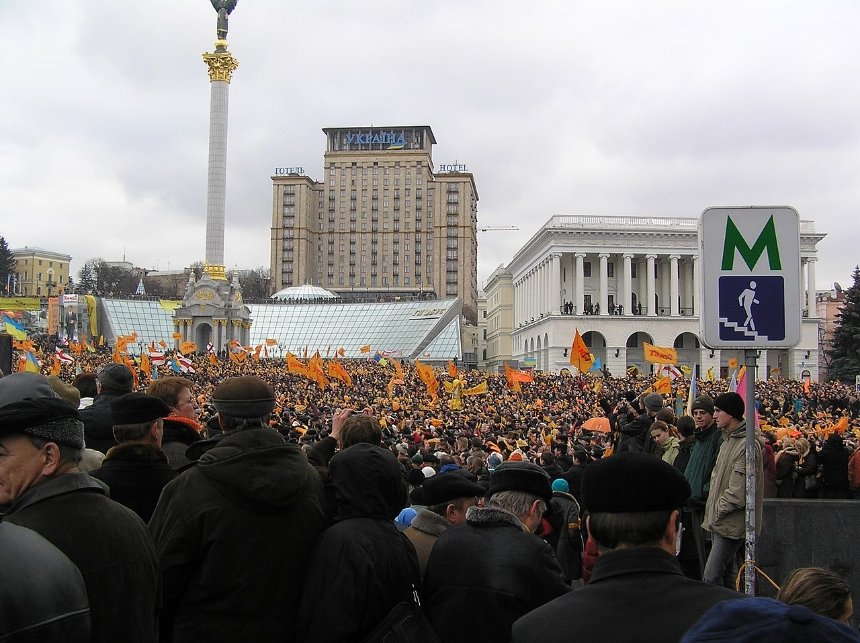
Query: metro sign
[{"x": 750, "y": 258}]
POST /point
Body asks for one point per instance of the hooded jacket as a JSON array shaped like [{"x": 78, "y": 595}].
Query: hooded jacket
[
  {"x": 726, "y": 505},
  {"x": 234, "y": 534},
  {"x": 363, "y": 565}
]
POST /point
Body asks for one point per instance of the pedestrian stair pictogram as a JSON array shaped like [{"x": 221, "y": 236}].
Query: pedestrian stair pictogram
[{"x": 740, "y": 329}]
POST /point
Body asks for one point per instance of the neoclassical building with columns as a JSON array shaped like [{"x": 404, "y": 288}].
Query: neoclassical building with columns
[{"x": 622, "y": 281}]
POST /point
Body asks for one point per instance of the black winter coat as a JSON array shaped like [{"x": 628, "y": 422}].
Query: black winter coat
[
  {"x": 636, "y": 433},
  {"x": 234, "y": 534},
  {"x": 637, "y": 594},
  {"x": 485, "y": 574},
  {"x": 363, "y": 565},
  {"x": 109, "y": 545},
  {"x": 833, "y": 460},
  {"x": 98, "y": 423},
  {"x": 135, "y": 474},
  {"x": 44, "y": 598}
]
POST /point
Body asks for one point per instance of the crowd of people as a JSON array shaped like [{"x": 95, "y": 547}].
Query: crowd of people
[{"x": 243, "y": 500}]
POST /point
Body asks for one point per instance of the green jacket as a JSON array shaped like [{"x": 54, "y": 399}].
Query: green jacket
[
  {"x": 702, "y": 458},
  {"x": 726, "y": 504}
]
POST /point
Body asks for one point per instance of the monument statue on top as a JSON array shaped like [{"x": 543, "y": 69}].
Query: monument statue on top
[{"x": 224, "y": 9}]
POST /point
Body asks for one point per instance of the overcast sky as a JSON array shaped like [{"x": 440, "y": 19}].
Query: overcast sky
[{"x": 568, "y": 107}]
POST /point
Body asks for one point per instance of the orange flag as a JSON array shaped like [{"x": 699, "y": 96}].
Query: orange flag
[
  {"x": 294, "y": 365},
  {"x": 452, "y": 369},
  {"x": 663, "y": 386},
  {"x": 428, "y": 376},
  {"x": 398, "y": 368},
  {"x": 162, "y": 343},
  {"x": 145, "y": 364},
  {"x": 338, "y": 372},
  {"x": 364, "y": 349},
  {"x": 187, "y": 347},
  {"x": 341, "y": 351},
  {"x": 271, "y": 342},
  {"x": 579, "y": 354},
  {"x": 212, "y": 359},
  {"x": 659, "y": 354},
  {"x": 177, "y": 336}
]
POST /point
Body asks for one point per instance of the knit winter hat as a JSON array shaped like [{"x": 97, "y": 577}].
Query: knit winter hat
[
  {"x": 116, "y": 378},
  {"x": 731, "y": 403},
  {"x": 704, "y": 403},
  {"x": 653, "y": 402}
]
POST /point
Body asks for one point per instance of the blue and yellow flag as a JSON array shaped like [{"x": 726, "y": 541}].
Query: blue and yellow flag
[{"x": 14, "y": 328}]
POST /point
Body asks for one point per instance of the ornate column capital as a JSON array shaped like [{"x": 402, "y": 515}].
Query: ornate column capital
[
  {"x": 603, "y": 255},
  {"x": 628, "y": 255},
  {"x": 221, "y": 65}
]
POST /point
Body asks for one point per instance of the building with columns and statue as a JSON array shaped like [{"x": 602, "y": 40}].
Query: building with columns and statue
[{"x": 623, "y": 281}]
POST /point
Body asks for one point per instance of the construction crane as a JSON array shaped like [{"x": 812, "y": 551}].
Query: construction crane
[{"x": 493, "y": 228}]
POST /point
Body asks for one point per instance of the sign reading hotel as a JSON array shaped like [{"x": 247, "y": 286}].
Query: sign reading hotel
[
  {"x": 289, "y": 171},
  {"x": 428, "y": 313},
  {"x": 750, "y": 277}
]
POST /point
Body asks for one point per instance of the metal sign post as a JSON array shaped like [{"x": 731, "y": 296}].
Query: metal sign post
[
  {"x": 750, "y": 259},
  {"x": 751, "y": 448}
]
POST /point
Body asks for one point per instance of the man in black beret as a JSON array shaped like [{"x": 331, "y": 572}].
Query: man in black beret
[
  {"x": 493, "y": 564},
  {"x": 447, "y": 497},
  {"x": 637, "y": 590},
  {"x": 137, "y": 469},
  {"x": 114, "y": 380},
  {"x": 41, "y": 440},
  {"x": 235, "y": 531}
]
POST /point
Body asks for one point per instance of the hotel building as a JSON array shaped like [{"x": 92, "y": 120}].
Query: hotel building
[{"x": 384, "y": 224}]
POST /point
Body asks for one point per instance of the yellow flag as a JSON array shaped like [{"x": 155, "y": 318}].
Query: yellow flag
[
  {"x": 579, "y": 354},
  {"x": 659, "y": 354},
  {"x": 711, "y": 374},
  {"x": 478, "y": 389}
]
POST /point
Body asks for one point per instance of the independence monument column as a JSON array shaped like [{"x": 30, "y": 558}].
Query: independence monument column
[{"x": 221, "y": 66}]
